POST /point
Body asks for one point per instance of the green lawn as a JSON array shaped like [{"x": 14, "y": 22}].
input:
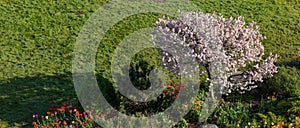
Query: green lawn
[{"x": 37, "y": 40}]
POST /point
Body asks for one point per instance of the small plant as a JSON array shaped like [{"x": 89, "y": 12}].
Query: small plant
[
  {"x": 66, "y": 116},
  {"x": 235, "y": 115},
  {"x": 181, "y": 124},
  {"x": 169, "y": 95}
]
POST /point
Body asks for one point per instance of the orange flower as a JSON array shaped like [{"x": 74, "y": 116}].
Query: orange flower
[
  {"x": 297, "y": 120},
  {"x": 35, "y": 124},
  {"x": 61, "y": 110},
  {"x": 64, "y": 123},
  {"x": 197, "y": 102},
  {"x": 169, "y": 87},
  {"x": 48, "y": 113},
  {"x": 281, "y": 124},
  {"x": 52, "y": 114},
  {"x": 290, "y": 125},
  {"x": 56, "y": 124},
  {"x": 78, "y": 114},
  {"x": 222, "y": 100}
]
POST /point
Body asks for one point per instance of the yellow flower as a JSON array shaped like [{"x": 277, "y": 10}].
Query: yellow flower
[
  {"x": 222, "y": 100},
  {"x": 46, "y": 117},
  {"x": 73, "y": 122},
  {"x": 196, "y": 107},
  {"x": 185, "y": 106}
]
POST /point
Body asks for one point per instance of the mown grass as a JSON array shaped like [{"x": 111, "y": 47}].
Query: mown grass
[{"x": 37, "y": 40}]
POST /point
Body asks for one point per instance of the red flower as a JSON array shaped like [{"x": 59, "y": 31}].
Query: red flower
[
  {"x": 177, "y": 88},
  {"x": 56, "y": 125},
  {"x": 174, "y": 97}
]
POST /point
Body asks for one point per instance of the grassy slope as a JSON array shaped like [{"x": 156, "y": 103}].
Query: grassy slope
[
  {"x": 37, "y": 42},
  {"x": 279, "y": 21}
]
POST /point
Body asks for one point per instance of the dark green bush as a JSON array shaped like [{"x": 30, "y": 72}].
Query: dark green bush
[
  {"x": 283, "y": 84},
  {"x": 289, "y": 108}
]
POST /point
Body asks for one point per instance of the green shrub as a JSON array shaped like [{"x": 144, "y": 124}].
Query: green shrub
[
  {"x": 234, "y": 115},
  {"x": 182, "y": 124},
  {"x": 284, "y": 83},
  {"x": 289, "y": 108}
]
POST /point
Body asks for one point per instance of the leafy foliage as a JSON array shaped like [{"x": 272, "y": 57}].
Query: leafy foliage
[
  {"x": 284, "y": 83},
  {"x": 231, "y": 115}
]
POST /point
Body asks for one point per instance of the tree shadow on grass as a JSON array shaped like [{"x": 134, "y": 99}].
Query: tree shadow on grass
[
  {"x": 20, "y": 98},
  {"x": 291, "y": 63}
]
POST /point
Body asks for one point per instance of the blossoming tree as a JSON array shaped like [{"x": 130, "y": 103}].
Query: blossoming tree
[{"x": 241, "y": 45}]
